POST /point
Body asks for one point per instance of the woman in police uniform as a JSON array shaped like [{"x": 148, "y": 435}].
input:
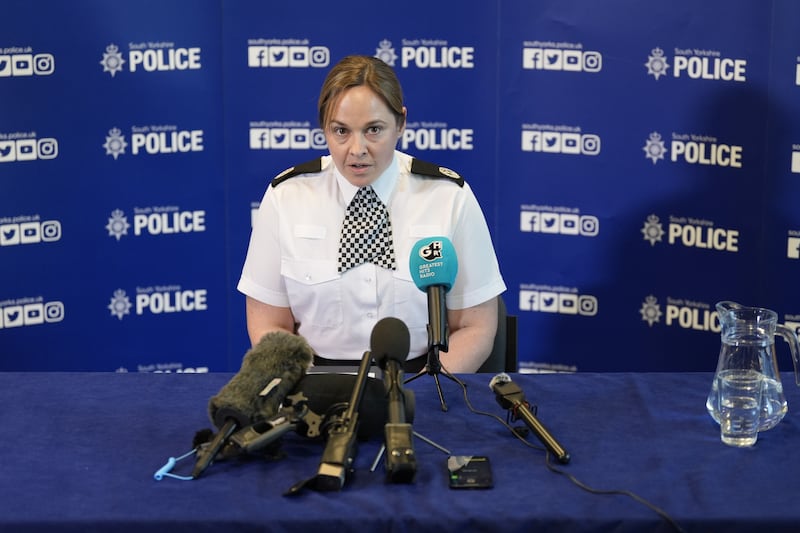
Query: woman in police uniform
[{"x": 304, "y": 272}]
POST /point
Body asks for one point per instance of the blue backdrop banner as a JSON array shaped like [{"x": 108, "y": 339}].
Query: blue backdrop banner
[{"x": 636, "y": 161}]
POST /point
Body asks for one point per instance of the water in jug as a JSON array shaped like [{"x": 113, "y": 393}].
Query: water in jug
[{"x": 748, "y": 343}]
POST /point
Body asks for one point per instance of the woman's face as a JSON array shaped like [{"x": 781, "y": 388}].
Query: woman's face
[{"x": 362, "y": 135}]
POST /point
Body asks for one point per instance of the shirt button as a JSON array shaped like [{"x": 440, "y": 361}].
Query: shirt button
[{"x": 370, "y": 315}]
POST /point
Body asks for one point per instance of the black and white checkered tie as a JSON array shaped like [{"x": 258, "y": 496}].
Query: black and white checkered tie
[{"x": 366, "y": 233}]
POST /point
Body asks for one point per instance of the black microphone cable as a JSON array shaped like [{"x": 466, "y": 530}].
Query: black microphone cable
[{"x": 550, "y": 466}]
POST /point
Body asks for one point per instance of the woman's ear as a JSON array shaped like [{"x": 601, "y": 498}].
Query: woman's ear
[{"x": 402, "y": 125}]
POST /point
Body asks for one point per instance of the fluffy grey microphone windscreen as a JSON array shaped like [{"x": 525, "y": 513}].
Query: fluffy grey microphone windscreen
[{"x": 270, "y": 369}]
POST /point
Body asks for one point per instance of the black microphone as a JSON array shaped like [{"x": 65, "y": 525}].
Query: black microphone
[
  {"x": 340, "y": 450},
  {"x": 433, "y": 265},
  {"x": 258, "y": 436},
  {"x": 269, "y": 370},
  {"x": 510, "y": 396},
  {"x": 390, "y": 343}
]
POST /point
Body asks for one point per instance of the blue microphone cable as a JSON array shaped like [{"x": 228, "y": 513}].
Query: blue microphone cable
[{"x": 166, "y": 470}]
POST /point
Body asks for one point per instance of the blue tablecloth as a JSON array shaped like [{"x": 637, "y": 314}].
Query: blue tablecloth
[{"x": 80, "y": 450}]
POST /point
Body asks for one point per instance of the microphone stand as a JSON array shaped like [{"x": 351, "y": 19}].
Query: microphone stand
[
  {"x": 437, "y": 340},
  {"x": 421, "y": 437},
  {"x": 434, "y": 368}
]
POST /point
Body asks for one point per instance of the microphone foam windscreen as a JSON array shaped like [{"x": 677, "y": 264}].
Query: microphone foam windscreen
[
  {"x": 270, "y": 369},
  {"x": 390, "y": 339},
  {"x": 432, "y": 262},
  {"x": 500, "y": 379}
]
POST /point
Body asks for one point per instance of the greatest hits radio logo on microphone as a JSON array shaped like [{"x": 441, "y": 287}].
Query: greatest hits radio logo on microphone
[{"x": 432, "y": 251}]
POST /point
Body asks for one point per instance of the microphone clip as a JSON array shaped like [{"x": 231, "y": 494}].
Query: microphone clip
[
  {"x": 514, "y": 410},
  {"x": 510, "y": 397}
]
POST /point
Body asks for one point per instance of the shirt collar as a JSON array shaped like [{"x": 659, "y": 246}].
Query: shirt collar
[{"x": 383, "y": 186}]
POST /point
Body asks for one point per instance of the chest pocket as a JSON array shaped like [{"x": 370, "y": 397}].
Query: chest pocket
[{"x": 315, "y": 291}]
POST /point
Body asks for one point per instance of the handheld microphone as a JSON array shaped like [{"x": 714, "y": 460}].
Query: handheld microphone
[
  {"x": 269, "y": 370},
  {"x": 510, "y": 396},
  {"x": 340, "y": 450},
  {"x": 256, "y": 437},
  {"x": 390, "y": 343},
  {"x": 434, "y": 265}
]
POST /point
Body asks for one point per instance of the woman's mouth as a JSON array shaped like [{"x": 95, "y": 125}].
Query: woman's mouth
[{"x": 360, "y": 168}]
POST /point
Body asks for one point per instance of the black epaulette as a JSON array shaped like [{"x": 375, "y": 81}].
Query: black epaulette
[
  {"x": 433, "y": 170},
  {"x": 309, "y": 167}
]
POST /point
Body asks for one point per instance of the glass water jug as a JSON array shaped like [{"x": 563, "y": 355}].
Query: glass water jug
[{"x": 748, "y": 343}]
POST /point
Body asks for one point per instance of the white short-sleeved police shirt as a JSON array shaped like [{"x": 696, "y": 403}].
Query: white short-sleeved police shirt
[{"x": 292, "y": 257}]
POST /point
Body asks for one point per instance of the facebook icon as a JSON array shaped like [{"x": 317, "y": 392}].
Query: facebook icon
[
  {"x": 793, "y": 248},
  {"x": 259, "y": 138},
  {"x": 257, "y": 56},
  {"x": 532, "y": 58},
  {"x": 531, "y": 141}
]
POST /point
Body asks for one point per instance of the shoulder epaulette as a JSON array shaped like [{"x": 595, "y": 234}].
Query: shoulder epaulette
[
  {"x": 309, "y": 167},
  {"x": 433, "y": 170}
]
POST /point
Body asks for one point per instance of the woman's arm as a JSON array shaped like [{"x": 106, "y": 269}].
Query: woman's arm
[
  {"x": 472, "y": 332},
  {"x": 263, "y": 318}
]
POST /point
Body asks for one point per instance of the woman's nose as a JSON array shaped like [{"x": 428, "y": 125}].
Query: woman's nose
[{"x": 359, "y": 146}]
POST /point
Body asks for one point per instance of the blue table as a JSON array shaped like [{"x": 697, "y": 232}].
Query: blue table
[{"x": 80, "y": 450}]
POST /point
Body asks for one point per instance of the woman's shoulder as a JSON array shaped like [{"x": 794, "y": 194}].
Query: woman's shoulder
[
  {"x": 314, "y": 166},
  {"x": 427, "y": 170}
]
